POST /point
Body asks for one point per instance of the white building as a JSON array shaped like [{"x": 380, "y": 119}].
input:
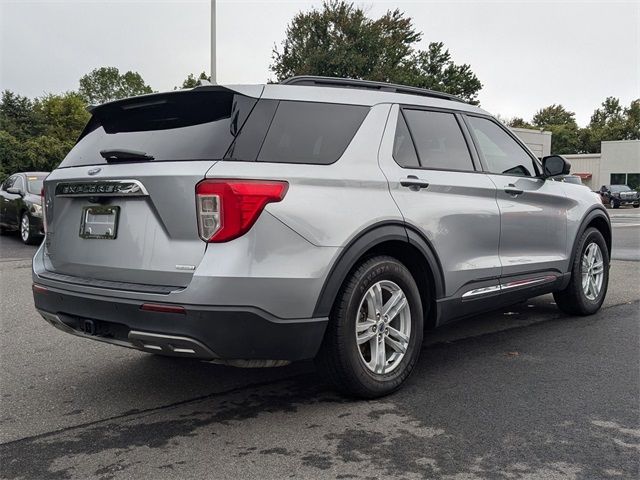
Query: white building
[
  {"x": 618, "y": 164},
  {"x": 538, "y": 141}
]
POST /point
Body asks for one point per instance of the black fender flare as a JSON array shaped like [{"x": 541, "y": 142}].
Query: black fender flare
[
  {"x": 366, "y": 240},
  {"x": 595, "y": 212}
]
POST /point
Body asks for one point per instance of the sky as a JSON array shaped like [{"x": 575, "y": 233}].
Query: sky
[{"x": 527, "y": 54}]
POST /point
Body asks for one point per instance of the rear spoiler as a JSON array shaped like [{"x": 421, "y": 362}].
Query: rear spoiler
[{"x": 254, "y": 91}]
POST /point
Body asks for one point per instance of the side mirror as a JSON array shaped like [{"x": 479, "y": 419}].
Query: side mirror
[
  {"x": 14, "y": 191},
  {"x": 554, "y": 165}
]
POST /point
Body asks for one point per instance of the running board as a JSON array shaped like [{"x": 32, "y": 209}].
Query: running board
[{"x": 495, "y": 289}]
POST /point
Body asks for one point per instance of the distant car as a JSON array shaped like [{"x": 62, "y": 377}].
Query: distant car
[
  {"x": 617, "y": 195},
  {"x": 21, "y": 206}
]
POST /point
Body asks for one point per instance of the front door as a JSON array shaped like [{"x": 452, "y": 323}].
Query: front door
[
  {"x": 442, "y": 194},
  {"x": 533, "y": 211}
]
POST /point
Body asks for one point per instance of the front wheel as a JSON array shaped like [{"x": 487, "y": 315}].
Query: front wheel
[
  {"x": 589, "y": 276},
  {"x": 613, "y": 203},
  {"x": 374, "y": 334}
]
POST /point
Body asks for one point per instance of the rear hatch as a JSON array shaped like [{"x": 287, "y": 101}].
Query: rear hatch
[{"x": 121, "y": 206}]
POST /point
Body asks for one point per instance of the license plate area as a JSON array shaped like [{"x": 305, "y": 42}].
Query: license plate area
[{"x": 99, "y": 222}]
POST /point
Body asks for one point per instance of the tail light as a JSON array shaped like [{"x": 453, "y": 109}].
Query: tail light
[
  {"x": 227, "y": 209},
  {"x": 43, "y": 203}
]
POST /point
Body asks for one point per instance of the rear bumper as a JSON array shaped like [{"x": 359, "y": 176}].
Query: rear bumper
[{"x": 207, "y": 333}]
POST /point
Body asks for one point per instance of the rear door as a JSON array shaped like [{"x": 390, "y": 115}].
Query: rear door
[
  {"x": 432, "y": 176},
  {"x": 533, "y": 212},
  {"x": 131, "y": 218}
]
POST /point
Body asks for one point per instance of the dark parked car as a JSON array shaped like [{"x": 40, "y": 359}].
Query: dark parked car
[
  {"x": 616, "y": 195},
  {"x": 21, "y": 206}
]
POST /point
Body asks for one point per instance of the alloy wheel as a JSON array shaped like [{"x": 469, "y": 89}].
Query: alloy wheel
[
  {"x": 383, "y": 327},
  {"x": 592, "y": 271},
  {"x": 24, "y": 228}
]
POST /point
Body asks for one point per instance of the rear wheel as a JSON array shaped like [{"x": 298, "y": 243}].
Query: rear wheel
[
  {"x": 613, "y": 203},
  {"x": 25, "y": 230},
  {"x": 589, "y": 276},
  {"x": 374, "y": 334}
]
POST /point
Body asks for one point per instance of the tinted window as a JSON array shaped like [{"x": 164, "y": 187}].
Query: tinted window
[
  {"x": 404, "y": 152},
  {"x": 19, "y": 183},
  {"x": 439, "y": 140},
  {"x": 176, "y": 126},
  {"x": 306, "y": 132},
  {"x": 501, "y": 153},
  {"x": 8, "y": 183}
]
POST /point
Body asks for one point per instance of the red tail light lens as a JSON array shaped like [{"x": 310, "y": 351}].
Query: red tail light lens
[
  {"x": 227, "y": 209},
  {"x": 43, "y": 204}
]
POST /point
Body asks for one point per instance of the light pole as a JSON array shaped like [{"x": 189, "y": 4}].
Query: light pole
[{"x": 213, "y": 41}]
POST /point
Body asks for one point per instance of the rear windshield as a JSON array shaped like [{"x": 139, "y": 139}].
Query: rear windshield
[
  {"x": 176, "y": 126},
  {"x": 219, "y": 125},
  {"x": 34, "y": 184}
]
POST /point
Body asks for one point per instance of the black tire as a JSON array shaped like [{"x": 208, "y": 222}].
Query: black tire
[
  {"x": 339, "y": 359},
  {"x": 573, "y": 300},
  {"x": 636, "y": 205},
  {"x": 29, "y": 238},
  {"x": 614, "y": 204}
]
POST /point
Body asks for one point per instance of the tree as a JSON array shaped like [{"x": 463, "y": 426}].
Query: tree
[
  {"x": 562, "y": 124},
  {"x": 339, "y": 40},
  {"x": 106, "y": 84},
  {"x": 37, "y": 134},
  {"x": 612, "y": 122},
  {"x": 17, "y": 116},
  {"x": 193, "y": 81},
  {"x": 518, "y": 122}
]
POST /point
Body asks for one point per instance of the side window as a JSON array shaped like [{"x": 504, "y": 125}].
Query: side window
[
  {"x": 502, "y": 153},
  {"x": 404, "y": 152},
  {"x": 311, "y": 132},
  {"x": 8, "y": 183},
  {"x": 19, "y": 184},
  {"x": 439, "y": 140}
]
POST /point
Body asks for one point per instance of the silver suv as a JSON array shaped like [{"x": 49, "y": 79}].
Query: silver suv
[{"x": 333, "y": 219}]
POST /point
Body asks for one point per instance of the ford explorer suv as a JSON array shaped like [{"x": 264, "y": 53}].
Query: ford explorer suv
[{"x": 334, "y": 219}]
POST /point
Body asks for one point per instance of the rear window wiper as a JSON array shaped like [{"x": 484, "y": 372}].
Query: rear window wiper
[{"x": 115, "y": 155}]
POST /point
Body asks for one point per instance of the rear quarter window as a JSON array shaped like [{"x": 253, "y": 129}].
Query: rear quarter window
[{"x": 308, "y": 132}]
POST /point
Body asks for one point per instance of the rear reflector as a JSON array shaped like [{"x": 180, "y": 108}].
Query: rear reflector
[
  {"x": 39, "y": 288},
  {"x": 227, "y": 209},
  {"x": 158, "y": 307}
]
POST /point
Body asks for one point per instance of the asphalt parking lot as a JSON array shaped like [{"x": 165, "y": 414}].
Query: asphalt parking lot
[{"x": 522, "y": 393}]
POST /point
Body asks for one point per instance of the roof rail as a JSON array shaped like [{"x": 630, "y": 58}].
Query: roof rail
[{"x": 317, "y": 81}]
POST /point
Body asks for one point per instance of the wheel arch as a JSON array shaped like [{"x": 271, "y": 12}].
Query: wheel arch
[
  {"x": 399, "y": 241},
  {"x": 597, "y": 218}
]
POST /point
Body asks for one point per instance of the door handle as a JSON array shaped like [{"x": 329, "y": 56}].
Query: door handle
[
  {"x": 414, "y": 183},
  {"x": 511, "y": 189}
]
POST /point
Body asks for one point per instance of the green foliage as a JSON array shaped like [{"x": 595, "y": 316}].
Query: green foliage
[
  {"x": 193, "y": 81},
  {"x": 339, "y": 40},
  {"x": 36, "y": 135},
  {"x": 562, "y": 124},
  {"x": 106, "y": 84},
  {"x": 612, "y": 122},
  {"x": 518, "y": 122}
]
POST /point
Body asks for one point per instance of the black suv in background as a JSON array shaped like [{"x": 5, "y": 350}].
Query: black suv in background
[
  {"x": 616, "y": 195},
  {"x": 21, "y": 206}
]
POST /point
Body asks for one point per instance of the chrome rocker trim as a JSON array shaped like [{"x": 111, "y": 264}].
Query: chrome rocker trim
[{"x": 507, "y": 286}]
